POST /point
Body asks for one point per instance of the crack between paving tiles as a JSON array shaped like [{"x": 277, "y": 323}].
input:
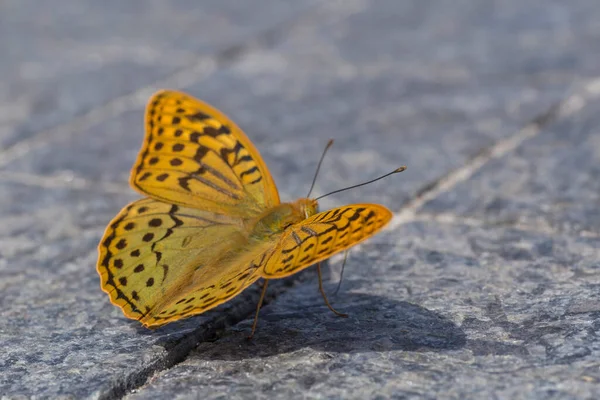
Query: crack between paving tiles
[
  {"x": 568, "y": 107},
  {"x": 202, "y": 68},
  {"x": 69, "y": 181},
  {"x": 542, "y": 228}
]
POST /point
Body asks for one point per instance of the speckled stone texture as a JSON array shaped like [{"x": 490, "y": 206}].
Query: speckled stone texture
[
  {"x": 435, "y": 311},
  {"x": 485, "y": 285}
]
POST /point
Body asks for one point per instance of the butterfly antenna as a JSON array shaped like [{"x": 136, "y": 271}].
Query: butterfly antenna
[
  {"x": 329, "y": 143},
  {"x": 341, "y": 273},
  {"x": 364, "y": 183}
]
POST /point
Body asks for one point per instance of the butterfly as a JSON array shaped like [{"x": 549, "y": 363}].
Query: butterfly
[{"x": 212, "y": 223}]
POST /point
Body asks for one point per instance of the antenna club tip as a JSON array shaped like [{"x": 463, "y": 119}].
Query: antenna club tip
[
  {"x": 329, "y": 142},
  {"x": 402, "y": 168}
]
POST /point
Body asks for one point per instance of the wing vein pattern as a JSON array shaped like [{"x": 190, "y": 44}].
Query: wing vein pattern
[{"x": 194, "y": 155}]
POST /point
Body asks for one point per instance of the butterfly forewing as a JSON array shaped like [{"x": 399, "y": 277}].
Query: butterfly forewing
[
  {"x": 194, "y": 155},
  {"x": 322, "y": 235}
]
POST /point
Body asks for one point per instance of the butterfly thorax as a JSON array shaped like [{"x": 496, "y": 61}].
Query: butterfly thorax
[{"x": 275, "y": 220}]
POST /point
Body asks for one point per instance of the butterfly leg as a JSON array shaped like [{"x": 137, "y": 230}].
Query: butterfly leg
[
  {"x": 324, "y": 296},
  {"x": 260, "y": 301},
  {"x": 341, "y": 274}
]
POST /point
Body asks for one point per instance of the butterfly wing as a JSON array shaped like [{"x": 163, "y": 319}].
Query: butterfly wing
[
  {"x": 193, "y": 155},
  {"x": 154, "y": 254},
  {"x": 322, "y": 235}
]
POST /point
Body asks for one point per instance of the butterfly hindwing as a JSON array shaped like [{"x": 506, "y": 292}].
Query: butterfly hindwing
[
  {"x": 322, "y": 235},
  {"x": 152, "y": 254},
  {"x": 194, "y": 155}
]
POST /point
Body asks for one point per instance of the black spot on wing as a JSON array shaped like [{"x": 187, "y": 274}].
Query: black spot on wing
[
  {"x": 249, "y": 171},
  {"x": 199, "y": 116}
]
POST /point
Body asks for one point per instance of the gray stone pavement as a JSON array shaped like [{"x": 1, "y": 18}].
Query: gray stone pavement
[{"x": 486, "y": 284}]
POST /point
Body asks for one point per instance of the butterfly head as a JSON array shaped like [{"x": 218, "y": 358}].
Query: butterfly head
[{"x": 307, "y": 207}]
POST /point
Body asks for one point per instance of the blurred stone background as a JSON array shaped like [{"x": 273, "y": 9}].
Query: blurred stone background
[{"x": 486, "y": 284}]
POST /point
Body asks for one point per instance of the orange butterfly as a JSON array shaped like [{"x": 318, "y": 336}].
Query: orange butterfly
[{"x": 212, "y": 223}]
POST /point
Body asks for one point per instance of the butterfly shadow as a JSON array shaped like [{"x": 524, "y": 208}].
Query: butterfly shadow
[{"x": 375, "y": 324}]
